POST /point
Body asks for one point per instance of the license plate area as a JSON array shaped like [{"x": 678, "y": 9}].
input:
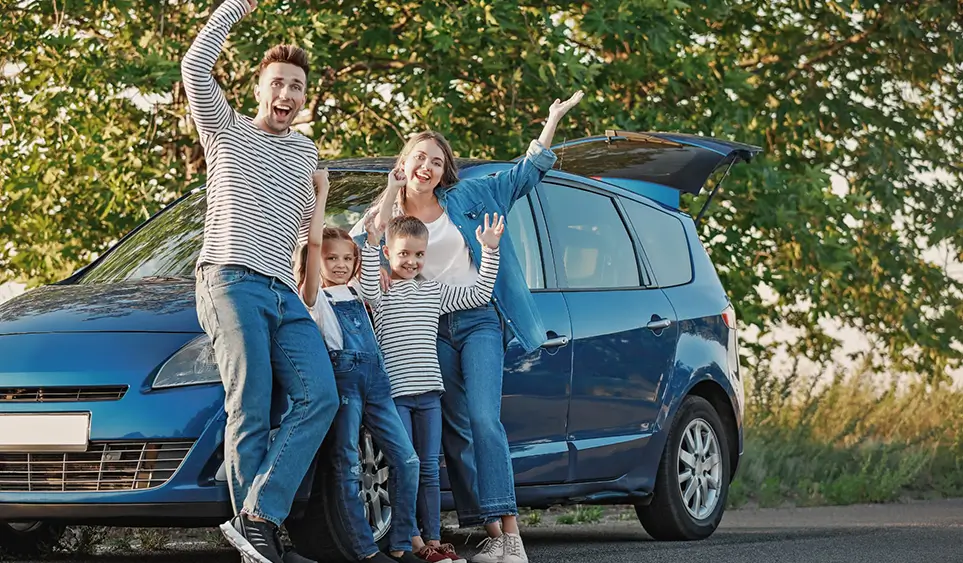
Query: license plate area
[{"x": 44, "y": 432}]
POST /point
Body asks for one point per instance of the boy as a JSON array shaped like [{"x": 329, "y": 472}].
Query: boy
[{"x": 406, "y": 324}]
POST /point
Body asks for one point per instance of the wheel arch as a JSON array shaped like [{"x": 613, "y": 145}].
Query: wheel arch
[{"x": 714, "y": 393}]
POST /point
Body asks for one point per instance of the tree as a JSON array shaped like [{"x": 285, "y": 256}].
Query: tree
[{"x": 96, "y": 136}]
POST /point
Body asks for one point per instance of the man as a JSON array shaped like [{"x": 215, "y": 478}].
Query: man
[{"x": 259, "y": 199}]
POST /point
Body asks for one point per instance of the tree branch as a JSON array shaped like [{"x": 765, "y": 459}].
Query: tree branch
[{"x": 822, "y": 52}]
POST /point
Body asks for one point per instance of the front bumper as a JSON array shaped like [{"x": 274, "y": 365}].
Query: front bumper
[
  {"x": 153, "y": 455},
  {"x": 174, "y": 514}
]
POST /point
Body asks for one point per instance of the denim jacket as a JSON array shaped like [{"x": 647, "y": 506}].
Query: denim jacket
[{"x": 466, "y": 204}]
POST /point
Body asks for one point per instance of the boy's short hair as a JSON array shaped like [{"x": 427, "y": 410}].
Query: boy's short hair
[
  {"x": 406, "y": 226},
  {"x": 290, "y": 54}
]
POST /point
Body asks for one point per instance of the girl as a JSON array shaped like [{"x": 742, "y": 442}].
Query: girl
[
  {"x": 471, "y": 343},
  {"x": 327, "y": 265}
]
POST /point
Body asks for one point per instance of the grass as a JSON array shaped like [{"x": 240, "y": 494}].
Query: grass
[
  {"x": 848, "y": 442},
  {"x": 581, "y": 515}
]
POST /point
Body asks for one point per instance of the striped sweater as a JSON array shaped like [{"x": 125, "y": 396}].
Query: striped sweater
[
  {"x": 259, "y": 191},
  {"x": 406, "y": 319}
]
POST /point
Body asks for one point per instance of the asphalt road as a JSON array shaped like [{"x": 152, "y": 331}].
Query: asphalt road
[{"x": 900, "y": 533}]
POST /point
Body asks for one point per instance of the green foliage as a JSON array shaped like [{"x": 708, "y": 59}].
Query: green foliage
[{"x": 95, "y": 136}]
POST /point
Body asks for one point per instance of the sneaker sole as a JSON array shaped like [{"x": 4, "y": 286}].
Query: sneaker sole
[{"x": 241, "y": 544}]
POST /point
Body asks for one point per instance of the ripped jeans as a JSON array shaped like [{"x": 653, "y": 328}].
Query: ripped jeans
[{"x": 366, "y": 399}]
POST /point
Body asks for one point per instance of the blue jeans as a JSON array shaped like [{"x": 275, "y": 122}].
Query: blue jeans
[
  {"x": 472, "y": 354},
  {"x": 421, "y": 415},
  {"x": 366, "y": 395},
  {"x": 262, "y": 336}
]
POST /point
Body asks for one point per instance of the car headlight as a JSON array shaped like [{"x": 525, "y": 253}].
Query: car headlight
[{"x": 192, "y": 365}]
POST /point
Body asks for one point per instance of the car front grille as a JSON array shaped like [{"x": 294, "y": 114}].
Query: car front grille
[
  {"x": 62, "y": 394},
  {"x": 105, "y": 466}
]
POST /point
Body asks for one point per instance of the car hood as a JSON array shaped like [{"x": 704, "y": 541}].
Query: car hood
[{"x": 133, "y": 306}]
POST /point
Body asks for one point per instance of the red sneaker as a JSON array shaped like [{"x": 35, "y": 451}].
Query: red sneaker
[
  {"x": 432, "y": 555},
  {"x": 448, "y": 551}
]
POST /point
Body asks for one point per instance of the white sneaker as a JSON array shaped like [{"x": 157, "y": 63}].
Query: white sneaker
[
  {"x": 492, "y": 550},
  {"x": 514, "y": 550}
]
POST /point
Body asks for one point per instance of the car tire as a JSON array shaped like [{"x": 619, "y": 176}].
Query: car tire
[
  {"x": 690, "y": 488},
  {"x": 29, "y": 539},
  {"x": 318, "y": 532}
]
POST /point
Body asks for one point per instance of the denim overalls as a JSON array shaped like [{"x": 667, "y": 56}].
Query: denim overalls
[{"x": 365, "y": 393}]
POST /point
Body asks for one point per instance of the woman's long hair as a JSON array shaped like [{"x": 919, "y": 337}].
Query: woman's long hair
[{"x": 330, "y": 233}]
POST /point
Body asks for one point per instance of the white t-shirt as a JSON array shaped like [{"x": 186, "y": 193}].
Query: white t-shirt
[
  {"x": 447, "y": 260},
  {"x": 323, "y": 314}
]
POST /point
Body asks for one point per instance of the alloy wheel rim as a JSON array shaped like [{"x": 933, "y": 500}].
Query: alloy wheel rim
[
  {"x": 700, "y": 469},
  {"x": 374, "y": 487}
]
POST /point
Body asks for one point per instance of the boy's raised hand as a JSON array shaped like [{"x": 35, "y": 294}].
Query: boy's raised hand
[
  {"x": 494, "y": 228},
  {"x": 375, "y": 227}
]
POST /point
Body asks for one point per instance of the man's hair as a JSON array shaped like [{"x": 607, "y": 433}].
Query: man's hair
[
  {"x": 405, "y": 226},
  {"x": 290, "y": 54}
]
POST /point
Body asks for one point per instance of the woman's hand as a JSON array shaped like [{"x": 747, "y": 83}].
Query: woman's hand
[
  {"x": 555, "y": 114},
  {"x": 396, "y": 180},
  {"x": 559, "y": 108}
]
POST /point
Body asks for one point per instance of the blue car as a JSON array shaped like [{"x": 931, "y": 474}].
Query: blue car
[{"x": 111, "y": 408}]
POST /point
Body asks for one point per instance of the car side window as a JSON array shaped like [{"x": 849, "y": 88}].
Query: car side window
[
  {"x": 664, "y": 241},
  {"x": 591, "y": 246},
  {"x": 521, "y": 228}
]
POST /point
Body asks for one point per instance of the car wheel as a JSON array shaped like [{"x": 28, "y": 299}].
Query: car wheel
[
  {"x": 692, "y": 484},
  {"x": 319, "y": 533},
  {"x": 29, "y": 538}
]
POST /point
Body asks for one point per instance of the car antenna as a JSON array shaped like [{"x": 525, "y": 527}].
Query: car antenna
[{"x": 718, "y": 185}]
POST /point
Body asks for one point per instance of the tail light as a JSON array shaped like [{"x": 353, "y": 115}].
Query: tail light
[{"x": 729, "y": 316}]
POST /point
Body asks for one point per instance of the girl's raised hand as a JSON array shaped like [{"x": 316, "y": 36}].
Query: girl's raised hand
[
  {"x": 560, "y": 108},
  {"x": 494, "y": 228},
  {"x": 320, "y": 179}
]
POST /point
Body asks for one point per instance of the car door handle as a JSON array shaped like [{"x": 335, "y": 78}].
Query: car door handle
[
  {"x": 556, "y": 342},
  {"x": 659, "y": 324}
]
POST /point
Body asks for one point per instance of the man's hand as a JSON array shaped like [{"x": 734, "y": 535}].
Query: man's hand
[
  {"x": 252, "y": 4},
  {"x": 494, "y": 229},
  {"x": 321, "y": 185}
]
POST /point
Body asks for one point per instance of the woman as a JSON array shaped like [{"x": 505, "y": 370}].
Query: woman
[{"x": 471, "y": 343}]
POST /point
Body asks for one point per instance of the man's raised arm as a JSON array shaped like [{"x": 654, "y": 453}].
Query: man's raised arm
[{"x": 209, "y": 107}]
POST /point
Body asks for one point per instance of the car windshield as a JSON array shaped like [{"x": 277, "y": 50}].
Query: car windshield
[{"x": 167, "y": 246}]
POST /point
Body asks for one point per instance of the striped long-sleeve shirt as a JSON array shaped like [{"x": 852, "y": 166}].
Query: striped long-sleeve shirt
[
  {"x": 406, "y": 319},
  {"x": 259, "y": 191}
]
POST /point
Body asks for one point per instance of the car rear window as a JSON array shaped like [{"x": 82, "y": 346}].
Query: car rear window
[
  {"x": 663, "y": 239},
  {"x": 168, "y": 245}
]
